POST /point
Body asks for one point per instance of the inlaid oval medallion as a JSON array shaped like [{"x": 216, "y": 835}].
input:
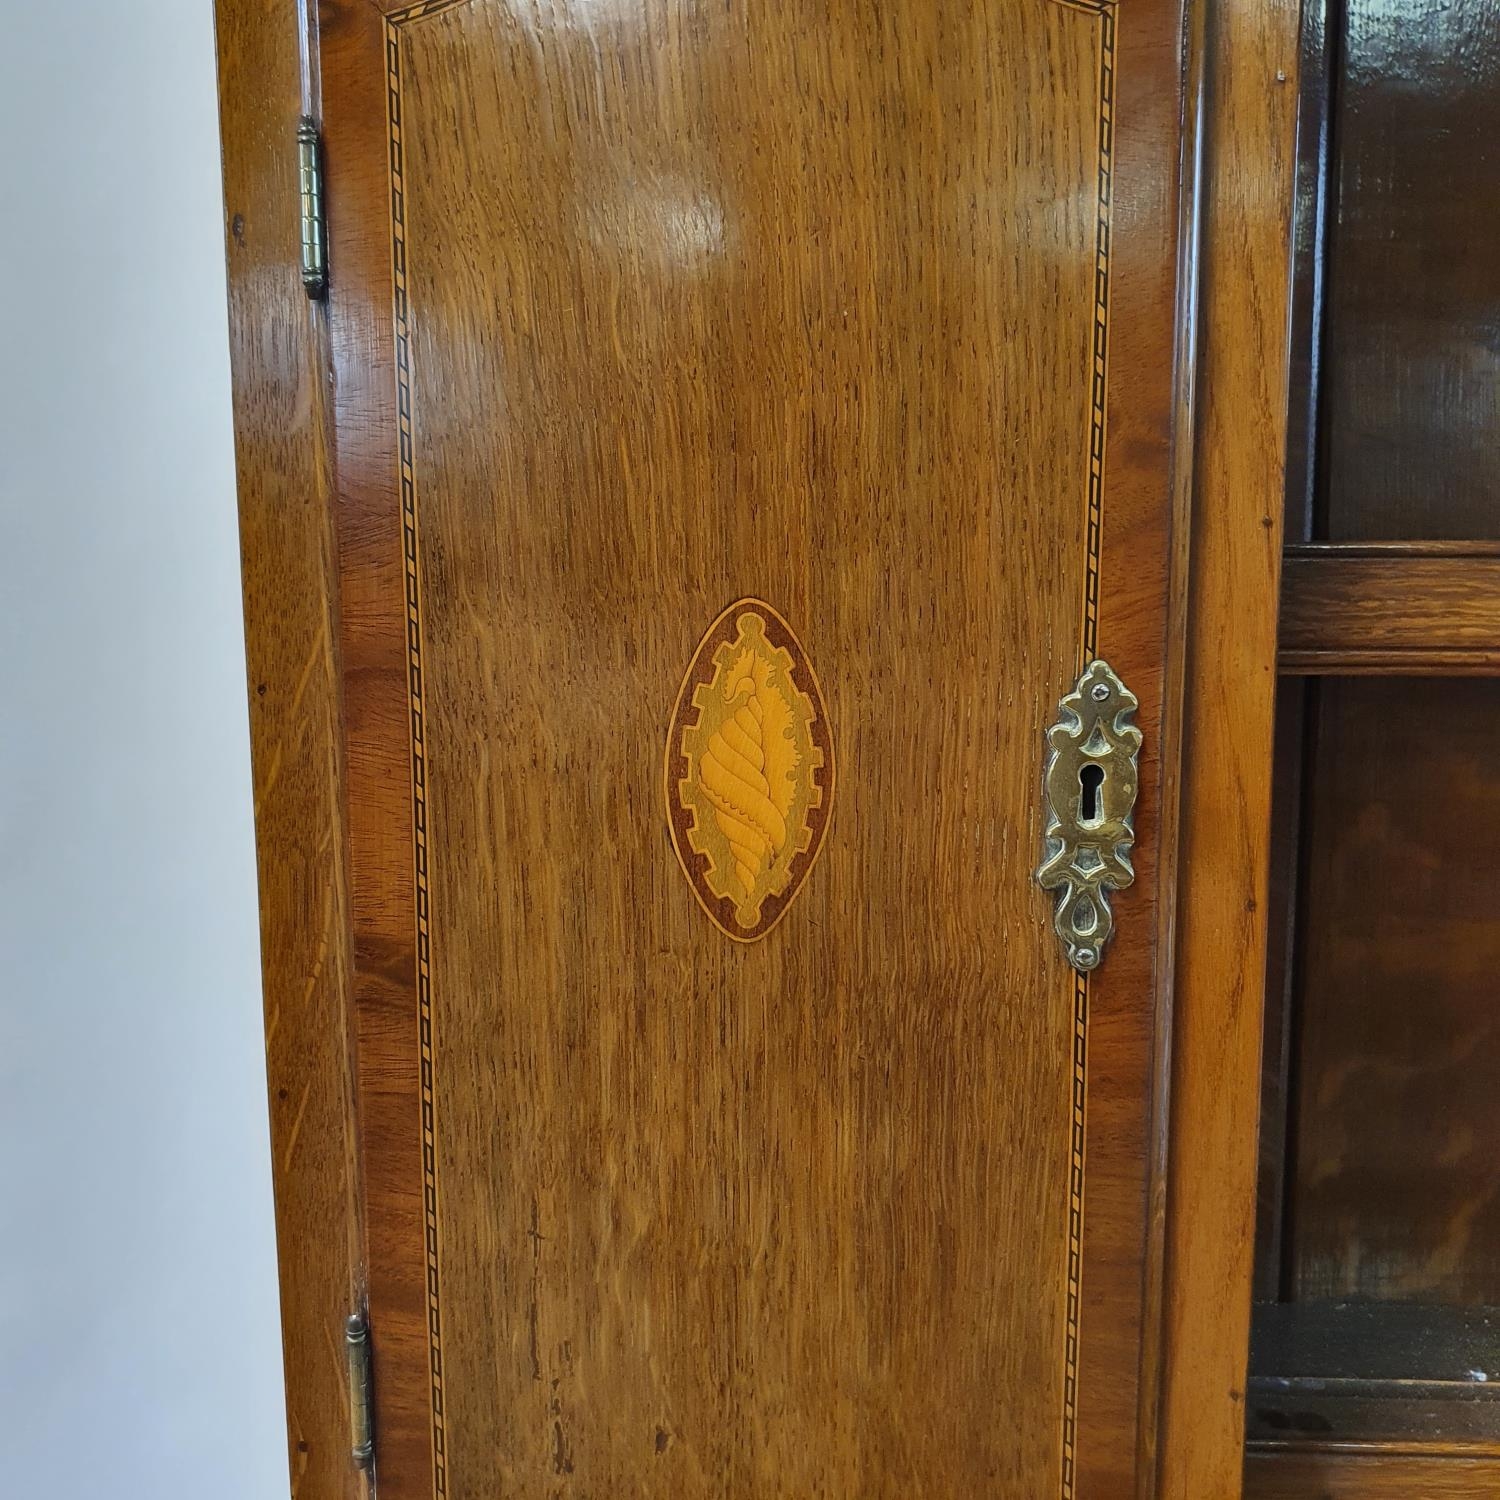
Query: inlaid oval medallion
[{"x": 749, "y": 774}]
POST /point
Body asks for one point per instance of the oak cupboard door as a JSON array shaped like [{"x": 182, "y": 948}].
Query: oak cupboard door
[{"x": 747, "y": 422}]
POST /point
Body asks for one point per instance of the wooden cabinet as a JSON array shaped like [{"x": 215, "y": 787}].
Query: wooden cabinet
[
  {"x": 730, "y": 438},
  {"x": 1376, "y": 1336}
]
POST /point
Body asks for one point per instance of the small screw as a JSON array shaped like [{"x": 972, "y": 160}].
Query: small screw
[{"x": 1099, "y": 692}]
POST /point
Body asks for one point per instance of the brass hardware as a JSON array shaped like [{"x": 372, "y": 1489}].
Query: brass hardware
[
  {"x": 310, "y": 181},
  {"x": 1091, "y": 783},
  {"x": 357, "y": 1353}
]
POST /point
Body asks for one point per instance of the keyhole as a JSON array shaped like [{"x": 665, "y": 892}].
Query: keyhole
[{"x": 1090, "y": 779}]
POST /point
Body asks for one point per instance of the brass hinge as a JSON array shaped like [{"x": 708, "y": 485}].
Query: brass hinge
[
  {"x": 314, "y": 230},
  {"x": 361, "y": 1396}
]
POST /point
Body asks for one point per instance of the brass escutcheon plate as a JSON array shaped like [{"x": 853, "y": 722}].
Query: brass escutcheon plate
[{"x": 1091, "y": 782}]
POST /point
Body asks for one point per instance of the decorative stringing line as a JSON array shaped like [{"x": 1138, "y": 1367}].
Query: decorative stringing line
[
  {"x": 435, "y": 7},
  {"x": 1104, "y": 11},
  {"x": 1099, "y": 384},
  {"x": 1075, "y": 1232},
  {"x": 409, "y": 535}
]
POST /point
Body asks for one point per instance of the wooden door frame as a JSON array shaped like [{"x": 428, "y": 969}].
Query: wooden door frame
[
  {"x": 279, "y": 355},
  {"x": 1249, "y": 144},
  {"x": 281, "y": 361}
]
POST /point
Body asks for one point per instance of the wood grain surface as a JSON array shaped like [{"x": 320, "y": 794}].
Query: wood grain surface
[
  {"x": 690, "y": 304},
  {"x": 1407, "y": 609},
  {"x": 1250, "y": 136},
  {"x": 279, "y": 348}
]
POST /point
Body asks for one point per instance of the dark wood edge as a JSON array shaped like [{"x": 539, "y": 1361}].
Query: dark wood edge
[
  {"x": 1334, "y": 552},
  {"x": 279, "y": 352},
  {"x": 1296, "y": 721},
  {"x": 1416, "y": 663},
  {"x": 1281, "y": 1474},
  {"x": 1250, "y": 158},
  {"x": 1384, "y": 1451}
]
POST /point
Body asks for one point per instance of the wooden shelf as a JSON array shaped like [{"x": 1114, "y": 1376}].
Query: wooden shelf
[
  {"x": 1284, "y": 1474},
  {"x": 1428, "y": 608},
  {"x": 1392, "y": 1374}
]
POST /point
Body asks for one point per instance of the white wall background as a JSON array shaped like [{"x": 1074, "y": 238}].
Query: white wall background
[{"x": 139, "y": 1348}]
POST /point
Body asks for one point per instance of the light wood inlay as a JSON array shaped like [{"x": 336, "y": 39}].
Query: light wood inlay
[{"x": 749, "y": 770}]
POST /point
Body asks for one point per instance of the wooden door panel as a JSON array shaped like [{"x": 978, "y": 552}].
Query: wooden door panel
[
  {"x": 718, "y": 1215},
  {"x": 642, "y": 309}
]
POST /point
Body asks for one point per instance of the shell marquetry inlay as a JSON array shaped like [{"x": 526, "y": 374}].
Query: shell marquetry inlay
[{"x": 749, "y": 773}]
